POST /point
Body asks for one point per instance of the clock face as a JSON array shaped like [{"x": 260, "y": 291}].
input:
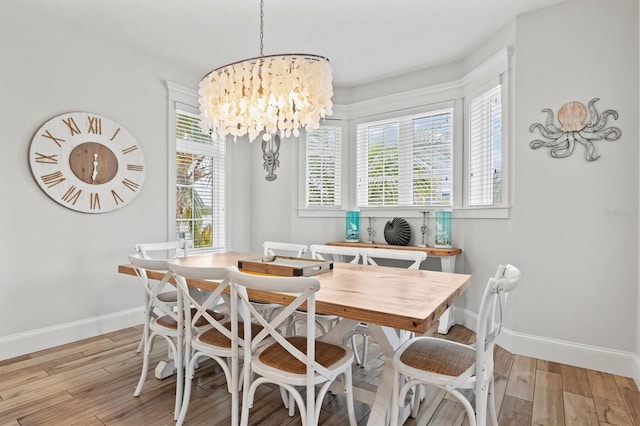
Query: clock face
[{"x": 87, "y": 162}]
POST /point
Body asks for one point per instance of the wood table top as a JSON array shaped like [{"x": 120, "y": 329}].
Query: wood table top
[{"x": 395, "y": 297}]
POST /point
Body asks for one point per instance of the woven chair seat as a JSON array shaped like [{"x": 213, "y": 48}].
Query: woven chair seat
[
  {"x": 276, "y": 356},
  {"x": 439, "y": 356},
  {"x": 168, "y": 296},
  {"x": 215, "y": 338},
  {"x": 202, "y": 321},
  {"x": 168, "y": 322}
]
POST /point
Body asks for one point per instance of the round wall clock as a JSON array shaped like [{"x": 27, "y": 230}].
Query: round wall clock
[{"x": 87, "y": 162}]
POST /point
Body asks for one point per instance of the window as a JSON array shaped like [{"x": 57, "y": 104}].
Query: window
[
  {"x": 199, "y": 184},
  {"x": 406, "y": 161},
  {"x": 485, "y": 148},
  {"x": 324, "y": 167}
]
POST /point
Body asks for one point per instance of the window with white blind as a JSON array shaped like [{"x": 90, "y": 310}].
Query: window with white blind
[
  {"x": 485, "y": 148},
  {"x": 406, "y": 161},
  {"x": 323, "y": 184},
  {"x": 200, "y": 184}
]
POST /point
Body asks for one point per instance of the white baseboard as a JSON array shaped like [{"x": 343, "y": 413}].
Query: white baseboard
[
  {"x": 636, "y": 370},
  {"x": 36, "y": 340},
  {"x": 591, "y": 357}
]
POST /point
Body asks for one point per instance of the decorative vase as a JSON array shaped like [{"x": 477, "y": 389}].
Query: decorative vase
[
  {"x": 353, "y": 226},
  {"x": 397, "y": 232},
  {"x": 443, "y": 229}
]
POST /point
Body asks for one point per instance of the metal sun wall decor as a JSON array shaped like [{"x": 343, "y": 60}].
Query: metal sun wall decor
[
  {"x": 270, "y": 154},
  {"x": 573, "y": 129}
]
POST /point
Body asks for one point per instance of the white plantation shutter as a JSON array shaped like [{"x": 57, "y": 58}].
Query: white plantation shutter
[
  {"x": 485, "y": 148},
  {"x": 406, "y": 161},
  {"x": 200, "y": 184},
  {"x": 324, "y": 167}
]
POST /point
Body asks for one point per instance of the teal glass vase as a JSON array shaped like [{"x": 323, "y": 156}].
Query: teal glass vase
[
  {"x": 443, "y": 229},
  {"x": 352, "y": 231}
]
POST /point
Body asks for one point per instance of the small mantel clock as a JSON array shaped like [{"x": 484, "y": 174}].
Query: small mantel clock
[{"x": 87, "y": 162}]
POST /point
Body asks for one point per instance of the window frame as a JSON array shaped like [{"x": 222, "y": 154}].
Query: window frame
[
  {"x": 324, "y": 211},
  {"x": 405, "y": 115},
  {"x": 185, "y": 99}
]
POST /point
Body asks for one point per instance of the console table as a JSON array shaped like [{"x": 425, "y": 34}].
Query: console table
[{"x": 447, "y": 262}]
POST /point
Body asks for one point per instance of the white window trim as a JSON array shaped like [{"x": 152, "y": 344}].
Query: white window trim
[
  {"x": 455, "y": 91},
  {"x": 323, "y": 211},
  {"x": 187, "y": 99},
  {"x": 494, "y": 68},
  {"x": 385, "y": 211}
]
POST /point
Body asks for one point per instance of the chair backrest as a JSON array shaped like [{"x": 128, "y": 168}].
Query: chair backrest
[
  {"x": 164, "y": 250},
  {"x": 336, "y": 253},
  {"x": 303, "y": 290},
  {"x": 202, "y": 294},
  {"x": 154, "y": 287},
  {"x": 414, "y": 256},
  {"x": 491, "y": 310},
  {"x": 272, "y": 248}
]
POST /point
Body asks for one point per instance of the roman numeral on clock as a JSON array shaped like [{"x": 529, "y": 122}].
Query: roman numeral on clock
[
  {"x": 52, "y": 179},
  {"x": 130, "y": 149},
  {"x": 57, "y": 141},
  {"x": 95, "y": 125},
  {"x": 116, "y": 198},
  {"x": 46, "y": 159},
  {"x": 135, "y": 167},
  {"x": 94, "y": 201},
  {"x": 72, "y": 195},
  {"x": 130, "y": 184},
  {"x": 71, "y": 124}
]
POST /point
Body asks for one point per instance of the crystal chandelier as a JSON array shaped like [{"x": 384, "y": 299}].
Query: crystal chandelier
[{"x": 267, "y": 94}]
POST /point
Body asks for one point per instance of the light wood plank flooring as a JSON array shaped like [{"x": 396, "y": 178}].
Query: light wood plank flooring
[{"x": 91, "y": 382}]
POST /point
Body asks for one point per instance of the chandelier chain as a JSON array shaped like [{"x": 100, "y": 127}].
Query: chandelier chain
[{"x": 261, "y": 26}]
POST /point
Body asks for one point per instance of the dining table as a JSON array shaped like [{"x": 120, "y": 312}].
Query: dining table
[{"x": 393, "y": 302}]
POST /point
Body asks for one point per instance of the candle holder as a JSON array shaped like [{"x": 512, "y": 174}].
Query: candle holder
[
  {"x": 370, "y": 231},
  {"x": 423, "y": 229}
]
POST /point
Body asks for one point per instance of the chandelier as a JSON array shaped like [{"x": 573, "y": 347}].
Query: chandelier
[{"x": 267, "y": 95}]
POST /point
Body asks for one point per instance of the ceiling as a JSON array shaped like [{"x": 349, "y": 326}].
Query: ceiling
[{"x": 365, "y": 40}]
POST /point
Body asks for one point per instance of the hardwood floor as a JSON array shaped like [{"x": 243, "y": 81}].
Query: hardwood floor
[{"x": 91, "y": 382}]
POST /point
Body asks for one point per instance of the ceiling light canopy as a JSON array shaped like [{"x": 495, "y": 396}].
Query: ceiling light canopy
[{"x": 267, "y": 94}]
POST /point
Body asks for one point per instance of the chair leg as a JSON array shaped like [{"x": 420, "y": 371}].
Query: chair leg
[
  {"x": 145, "y": 366},
  {"x": 350, "y": 406},
  {"x": 179, "y": 363},
  {"x": 481, "y": 402},
  {"x": 395, "y": 400},
  {"x": 187, "y": 390},
  {"x": 356, "y": 354},
  {"x": 492, "y": 404}
]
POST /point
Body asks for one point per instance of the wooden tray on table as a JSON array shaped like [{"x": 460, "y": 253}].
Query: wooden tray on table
[{"x": 285, "y": 266}]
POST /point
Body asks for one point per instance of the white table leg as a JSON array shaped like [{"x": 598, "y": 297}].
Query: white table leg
[
  {"x": 448, "y": 264},
  {"x": 165, "y": 369}
]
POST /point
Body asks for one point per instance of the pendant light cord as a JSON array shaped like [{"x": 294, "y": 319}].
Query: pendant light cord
[{"x": 261, "y": 26}]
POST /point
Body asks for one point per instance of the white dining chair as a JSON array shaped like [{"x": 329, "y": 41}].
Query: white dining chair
[
  {"x": 208, "y": 332},
  {"x": 451, "y": 365},
  {"x": 290, "y": 361},
  {"x": 327, "y": 253},
  {"x": 276, "y": 248},
  {"x": 410, "y": 259},
  {"x": 164, "y": 320},
  {"x": 161, "y": 250}
]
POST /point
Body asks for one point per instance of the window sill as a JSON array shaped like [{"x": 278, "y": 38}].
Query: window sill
[{"x": 459, "y": 213}]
